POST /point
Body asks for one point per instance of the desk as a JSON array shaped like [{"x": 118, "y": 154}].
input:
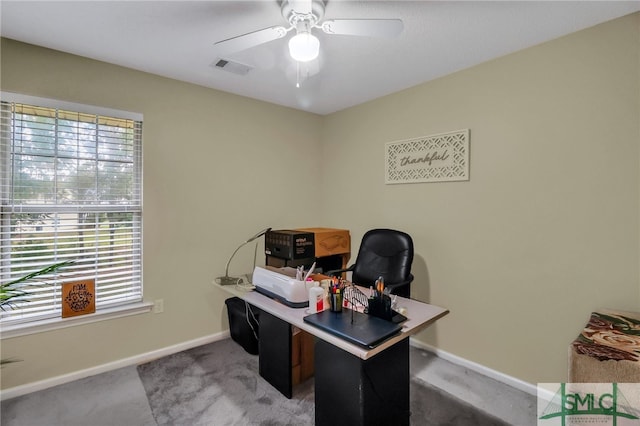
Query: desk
[{"x": 354, "y": 385}]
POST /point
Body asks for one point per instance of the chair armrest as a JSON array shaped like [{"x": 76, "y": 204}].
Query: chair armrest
[
  {"x": 339, "y": 271},
  {"x": 394, "y": 286}
]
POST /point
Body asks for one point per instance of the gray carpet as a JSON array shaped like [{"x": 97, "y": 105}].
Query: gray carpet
[{"x": 218, "y": 384}]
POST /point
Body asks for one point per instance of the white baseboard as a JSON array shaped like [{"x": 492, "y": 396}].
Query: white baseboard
[
  {"x": 169, "y": 350},
  {"x": 126, "y": 362},
  {"x": 478, "y": 368}
]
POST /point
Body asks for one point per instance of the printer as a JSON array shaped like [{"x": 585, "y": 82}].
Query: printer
[{"x": 280, "y": 286}]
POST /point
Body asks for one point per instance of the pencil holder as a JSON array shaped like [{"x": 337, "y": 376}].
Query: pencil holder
[
  {"x": 380, "y": 307},
  {"x": 335, "y": 302}
]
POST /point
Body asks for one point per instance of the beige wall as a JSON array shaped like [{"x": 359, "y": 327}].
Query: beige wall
[
  {"x": 545, "y": 231},
  {"x": 213, "y": 176}
]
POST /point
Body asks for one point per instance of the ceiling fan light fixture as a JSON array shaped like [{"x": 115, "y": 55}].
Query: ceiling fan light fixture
[{"x": 304, "y": 47}]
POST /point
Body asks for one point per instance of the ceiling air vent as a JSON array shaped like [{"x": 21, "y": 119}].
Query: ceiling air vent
[{"x": 232, "y": 67}]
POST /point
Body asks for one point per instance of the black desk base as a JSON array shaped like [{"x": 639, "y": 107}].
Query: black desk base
[
  {"x": 353, "y": 391},
  {"x": 274, "y": 359},
  {"x": 348, "y": 390}
]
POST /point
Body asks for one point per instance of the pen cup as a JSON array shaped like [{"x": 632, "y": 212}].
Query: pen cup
[
  {"x": 380, "y": 307},
  {"x": 335, "y": 302}
]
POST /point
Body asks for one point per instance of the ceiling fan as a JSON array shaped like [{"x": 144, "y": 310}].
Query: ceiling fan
[{"x": 304, "y": 16}]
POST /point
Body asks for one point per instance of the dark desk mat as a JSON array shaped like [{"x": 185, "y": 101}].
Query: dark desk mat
[{"x": 365, "y": 330}]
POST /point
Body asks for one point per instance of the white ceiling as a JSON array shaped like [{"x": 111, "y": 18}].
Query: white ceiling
[{"x": 176, "y": 39}]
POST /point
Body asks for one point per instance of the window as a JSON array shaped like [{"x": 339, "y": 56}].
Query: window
[{"x": 71, "y": 189}]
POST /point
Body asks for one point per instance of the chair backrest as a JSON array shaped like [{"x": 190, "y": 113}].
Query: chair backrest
[{"x": 383, "y": 252}]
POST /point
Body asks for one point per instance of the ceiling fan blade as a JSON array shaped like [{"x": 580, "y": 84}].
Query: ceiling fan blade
[
  {"x": 364, "y": 27},
  {"x": 246, "y": 41}
]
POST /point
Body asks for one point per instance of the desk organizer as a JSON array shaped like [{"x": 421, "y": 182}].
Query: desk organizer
[
  {"x": 377, "y": 307},
  {"x": 380, "y": 307},
  {"x": 607, "y": 350},
  {"x": 355, "y": 299}
]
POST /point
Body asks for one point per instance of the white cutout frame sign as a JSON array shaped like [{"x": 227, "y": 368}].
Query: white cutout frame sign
[{"x": 437, "y": 158}]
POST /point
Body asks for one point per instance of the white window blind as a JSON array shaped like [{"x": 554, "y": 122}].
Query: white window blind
[{"x": 71, "y": 189}]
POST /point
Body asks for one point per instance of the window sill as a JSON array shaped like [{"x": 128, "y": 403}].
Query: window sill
[{"x": 17, "y": 330}]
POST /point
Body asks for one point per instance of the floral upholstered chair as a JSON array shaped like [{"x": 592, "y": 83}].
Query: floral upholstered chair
[{"x": 607, "y": 350}]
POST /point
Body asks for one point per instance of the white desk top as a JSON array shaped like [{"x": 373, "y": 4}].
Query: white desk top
[{"x": 419, "y": 316}]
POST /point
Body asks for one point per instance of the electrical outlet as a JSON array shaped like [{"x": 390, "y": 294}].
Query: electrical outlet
[{"x": 158, "y": 306}]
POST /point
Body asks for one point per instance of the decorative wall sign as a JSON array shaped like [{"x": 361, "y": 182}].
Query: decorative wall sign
[
  {"x": 436, "y": 158},
  {"x": 78, "y": 298}
]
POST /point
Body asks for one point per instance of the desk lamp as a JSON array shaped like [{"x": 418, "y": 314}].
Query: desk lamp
[{"x": 227, "y": 280}]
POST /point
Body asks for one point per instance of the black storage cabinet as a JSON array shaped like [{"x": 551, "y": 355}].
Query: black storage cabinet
[{"x": 240, "y": 326}]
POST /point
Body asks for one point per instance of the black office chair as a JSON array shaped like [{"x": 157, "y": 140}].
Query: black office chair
[{"x": 384, "y": 253}]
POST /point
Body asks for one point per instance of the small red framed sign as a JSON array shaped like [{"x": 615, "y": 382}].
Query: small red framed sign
[{"x": 78, "y": 298}]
